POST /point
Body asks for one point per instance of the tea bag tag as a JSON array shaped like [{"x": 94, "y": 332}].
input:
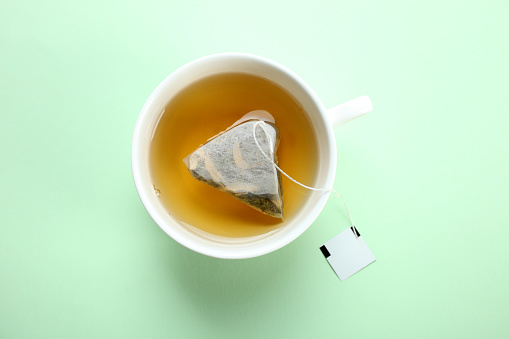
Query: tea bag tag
[{"x": 347, "y": 253}]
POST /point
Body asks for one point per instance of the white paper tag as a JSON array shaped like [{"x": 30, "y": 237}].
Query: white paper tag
[{"x": 347, "y": 253}]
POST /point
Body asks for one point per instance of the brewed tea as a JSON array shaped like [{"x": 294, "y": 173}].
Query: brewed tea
[{"x": 206, "y": 108}]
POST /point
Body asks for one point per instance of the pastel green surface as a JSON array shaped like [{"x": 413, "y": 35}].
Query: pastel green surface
[{"x": 425, "y": 174}]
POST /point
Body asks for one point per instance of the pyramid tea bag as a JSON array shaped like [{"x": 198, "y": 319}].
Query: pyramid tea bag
[{"x": 233, "y": 163}]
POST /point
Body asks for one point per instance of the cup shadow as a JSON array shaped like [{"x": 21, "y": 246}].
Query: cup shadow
[{"x": 223, "y": 288}]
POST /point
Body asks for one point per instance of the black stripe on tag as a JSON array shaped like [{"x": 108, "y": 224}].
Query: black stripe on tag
[
  {"x": 354, "y": 230},
  {"x": 325, "y": 251}
]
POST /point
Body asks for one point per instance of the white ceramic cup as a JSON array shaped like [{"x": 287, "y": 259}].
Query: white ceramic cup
[{"x": 321, "y": 119}]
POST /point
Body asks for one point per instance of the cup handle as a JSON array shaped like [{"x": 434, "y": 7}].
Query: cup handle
[{"x": 349, "y": 110}]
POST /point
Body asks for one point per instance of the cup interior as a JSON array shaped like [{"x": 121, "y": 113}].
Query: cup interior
[{"x": 194, "y": 238}]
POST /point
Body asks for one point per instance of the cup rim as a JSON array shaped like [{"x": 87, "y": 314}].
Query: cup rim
[{"x": 239, "y": 253}]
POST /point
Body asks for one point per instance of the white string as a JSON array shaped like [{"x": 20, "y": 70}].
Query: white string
[
  {"x": 349, "y": 215},
  {"x": 279, "y": 169}
]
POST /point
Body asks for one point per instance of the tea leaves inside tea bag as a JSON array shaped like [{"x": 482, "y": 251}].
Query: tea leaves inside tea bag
[{"x": 233, "y": 163}]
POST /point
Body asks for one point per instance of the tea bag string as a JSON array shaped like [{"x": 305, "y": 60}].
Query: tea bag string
[
  {"x": 262, "y": 123},
  {"x": 347, "y": 210}
]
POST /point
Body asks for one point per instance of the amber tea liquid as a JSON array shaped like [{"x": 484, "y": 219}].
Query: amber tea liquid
[{"x": 206, "y": 108}]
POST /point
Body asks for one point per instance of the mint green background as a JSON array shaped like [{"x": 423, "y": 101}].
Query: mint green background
[{"x": 425, "y": 174}]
